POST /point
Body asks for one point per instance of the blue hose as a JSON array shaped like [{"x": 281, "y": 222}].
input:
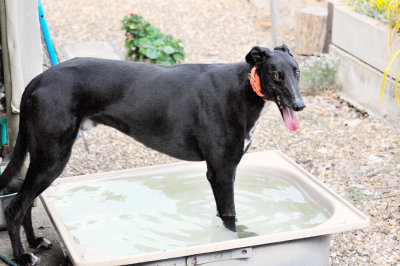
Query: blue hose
[
  {"x": 46, "y": 36},
  {"x": 7, "y": 260}
]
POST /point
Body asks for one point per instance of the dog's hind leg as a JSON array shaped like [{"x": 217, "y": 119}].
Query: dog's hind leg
[
  {"x": 34, "y": 242},
  {"x": 222, "y": 179},
  {"x": 45, "y": 166}
]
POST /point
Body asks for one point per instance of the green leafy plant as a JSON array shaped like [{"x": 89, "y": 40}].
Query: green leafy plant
[
  {"x": 145, "y": 42},
  {"x": 318, "y": 73},
  {"x": 387, "y": 11}
]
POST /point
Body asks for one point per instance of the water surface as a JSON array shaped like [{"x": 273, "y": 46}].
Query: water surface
[{"x": 138, "y": 215}]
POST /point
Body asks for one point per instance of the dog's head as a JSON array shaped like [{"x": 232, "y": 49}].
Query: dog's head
[{"x": 279, "y": 76}]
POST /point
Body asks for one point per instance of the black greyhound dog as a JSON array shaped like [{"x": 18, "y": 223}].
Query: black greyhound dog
[{"x": 191, "y": 111}]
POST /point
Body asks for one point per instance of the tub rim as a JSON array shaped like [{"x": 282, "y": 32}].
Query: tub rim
[{"x": 8, "y": 195}]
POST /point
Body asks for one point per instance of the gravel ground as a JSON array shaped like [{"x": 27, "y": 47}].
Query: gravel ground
[
  {"x": 354, "y": 154},
  {"x": 206, "y": 27}
]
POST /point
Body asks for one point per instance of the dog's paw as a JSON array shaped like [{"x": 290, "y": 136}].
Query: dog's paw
[
  {"x": 28, "y": 259},
  {"x": 41, "y": 242},
  {"x": 229, "y": 222}
]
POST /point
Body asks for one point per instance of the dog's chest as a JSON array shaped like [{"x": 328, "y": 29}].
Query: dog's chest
[{"x": 249, "y": 137}]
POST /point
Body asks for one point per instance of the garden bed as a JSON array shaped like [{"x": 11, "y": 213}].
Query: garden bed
[
  {"x": 363, "y": 37},
  {"x": 361, "y": 44}
]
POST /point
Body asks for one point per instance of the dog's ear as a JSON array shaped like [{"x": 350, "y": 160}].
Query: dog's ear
[
  {"x": 257, "y": 54},
  {"x": 283, "y": 48}
]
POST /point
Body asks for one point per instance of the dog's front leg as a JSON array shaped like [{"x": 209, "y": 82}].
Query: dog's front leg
[{"x": 222, "y": 180}]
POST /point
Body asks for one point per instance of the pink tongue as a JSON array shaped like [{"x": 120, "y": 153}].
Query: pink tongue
[{"x": 291, "y": 119}]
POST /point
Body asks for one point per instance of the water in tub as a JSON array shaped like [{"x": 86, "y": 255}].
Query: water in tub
[{"x": 138, "y": 215}]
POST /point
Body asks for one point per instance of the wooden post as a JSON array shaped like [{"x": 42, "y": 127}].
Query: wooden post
[
  {"x": 328, "y": 38},
  {"x": 310, "y": 30}
]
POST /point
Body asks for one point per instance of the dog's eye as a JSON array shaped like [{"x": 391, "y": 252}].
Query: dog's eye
[
  {"x": 297, "y": 74},
  {"x": 275, "y": 76}
]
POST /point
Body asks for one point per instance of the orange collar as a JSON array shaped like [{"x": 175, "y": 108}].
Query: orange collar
[{"x": 255, "y": 83}]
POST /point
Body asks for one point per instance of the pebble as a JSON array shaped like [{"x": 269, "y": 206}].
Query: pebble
[{"x": 373, "y": 159}]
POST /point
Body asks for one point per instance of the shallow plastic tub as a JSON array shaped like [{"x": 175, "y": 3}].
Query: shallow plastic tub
[{"x": 165, "y": 215}]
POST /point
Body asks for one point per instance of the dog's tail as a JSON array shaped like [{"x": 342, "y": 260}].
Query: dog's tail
[
  {"x": 21, "y": 145},
  {"x": 17, "y": 159}
]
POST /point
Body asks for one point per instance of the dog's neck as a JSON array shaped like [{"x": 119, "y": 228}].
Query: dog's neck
[
  {"x": 255, "y": 83},
  {"x": 254, "y": 103}
]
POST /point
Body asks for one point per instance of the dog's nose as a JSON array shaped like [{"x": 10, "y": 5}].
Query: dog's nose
[{"x": 298, "y": 106}]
